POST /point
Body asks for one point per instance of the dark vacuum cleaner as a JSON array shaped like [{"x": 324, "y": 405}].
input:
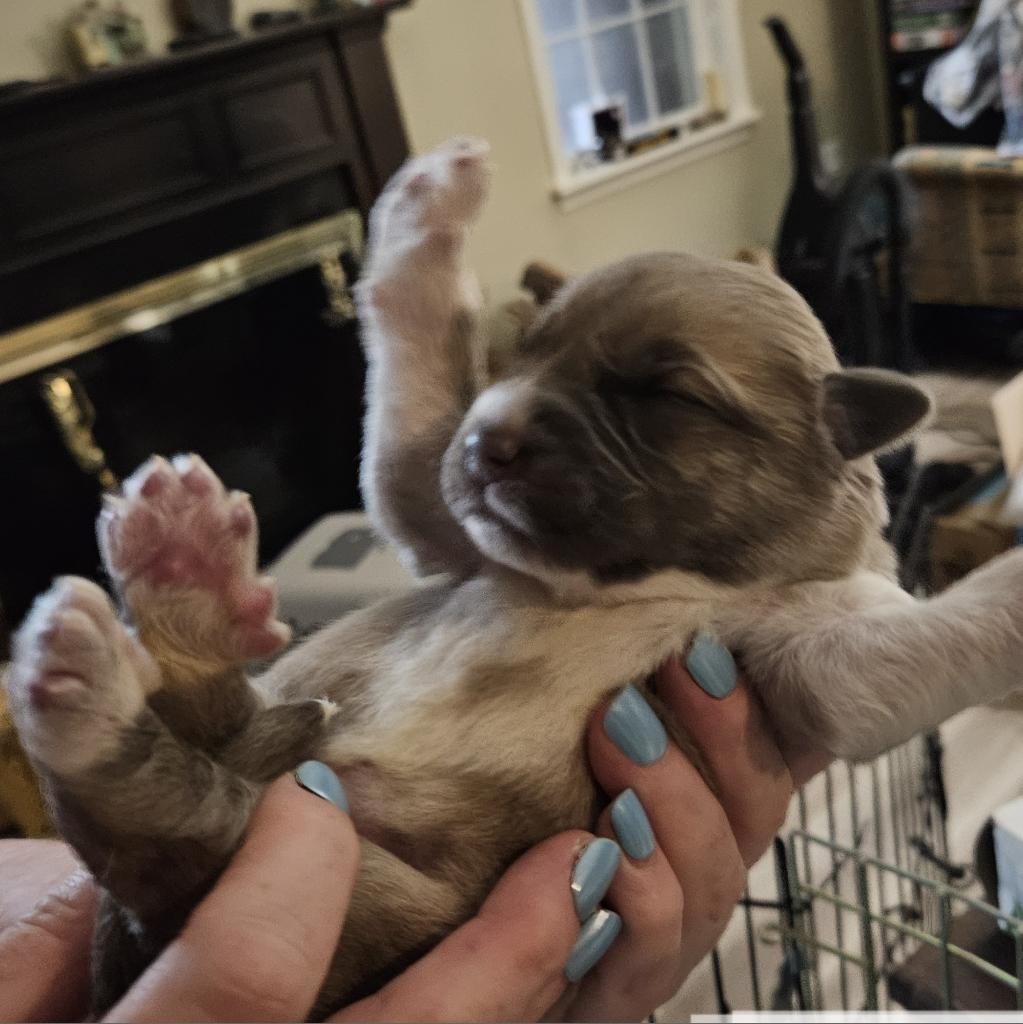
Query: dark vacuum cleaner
[{"x": 844, "y": 245}]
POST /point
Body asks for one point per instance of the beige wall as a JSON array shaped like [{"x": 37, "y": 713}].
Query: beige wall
[{"x": 463, "y": 66}]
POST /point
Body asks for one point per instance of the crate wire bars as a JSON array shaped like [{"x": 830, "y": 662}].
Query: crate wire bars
[{"x": 855, "y": 894}]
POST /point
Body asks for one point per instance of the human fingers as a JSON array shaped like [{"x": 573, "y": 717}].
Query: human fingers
[
  {"x": 643, "y": 968},
  {"x": 514, "y": 959},
  {"x": 734, "y": 740},
  {"x": 259, "y": 945},
  {"x": 44, "y": 955},
  {"x": 629, "y": 749}
]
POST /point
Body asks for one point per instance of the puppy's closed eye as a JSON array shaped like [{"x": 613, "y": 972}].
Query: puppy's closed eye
[
  {"x": 689, "y": 393},
  {"x": 671, "y": 392},
  {"x": 679, "y": 395}
]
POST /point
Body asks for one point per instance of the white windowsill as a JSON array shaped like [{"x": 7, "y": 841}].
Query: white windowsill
[{"x": 575, "y": 190}]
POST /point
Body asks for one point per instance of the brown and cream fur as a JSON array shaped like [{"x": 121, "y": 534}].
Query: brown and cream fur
[{"x": 673, "y": 448}]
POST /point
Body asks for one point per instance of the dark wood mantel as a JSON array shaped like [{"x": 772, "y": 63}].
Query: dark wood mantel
[{"x": 136, "y": 171}]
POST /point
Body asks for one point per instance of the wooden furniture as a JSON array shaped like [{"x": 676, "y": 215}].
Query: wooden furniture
[{"x": 143, "y": 169}]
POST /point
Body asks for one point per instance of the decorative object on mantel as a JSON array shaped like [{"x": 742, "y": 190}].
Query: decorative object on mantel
[
  {"x": 127, "y": 32},
  {"x": 106, "y": 36},
  {"x": 202, "y": 22}
]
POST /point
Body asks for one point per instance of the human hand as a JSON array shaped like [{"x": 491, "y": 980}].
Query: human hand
[
  {"x": 674, "y": 890},
  {"x": 47, "y": 908},
  {"x": 257, "y": 948},
  {"x": 699, "y": 841}
]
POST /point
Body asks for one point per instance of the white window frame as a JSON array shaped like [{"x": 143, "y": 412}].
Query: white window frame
[{"x": 574, "y": 186}]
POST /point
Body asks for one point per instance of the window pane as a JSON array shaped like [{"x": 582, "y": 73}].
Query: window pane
[
  {"x": 674, "y": 60},
  {"x": 617, "y": 59},
  {"x": 600, "y": 10},
  {"x": 715, "y": 32},
  {"x": 557, "y": 15},
  {"x": 568, "y": 63}
]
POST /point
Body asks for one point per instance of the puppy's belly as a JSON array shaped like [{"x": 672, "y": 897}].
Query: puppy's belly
[
  {"x": 464, "y": 742},
  {"x": 467, "y": 818},
  {"x": 378, "y": 800}
]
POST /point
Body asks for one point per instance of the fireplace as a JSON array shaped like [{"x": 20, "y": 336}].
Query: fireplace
[{"x": 177, "y": 244}]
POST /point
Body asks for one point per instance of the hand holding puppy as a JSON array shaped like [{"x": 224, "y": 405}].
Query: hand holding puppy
[{"x": 259, "y": 945}]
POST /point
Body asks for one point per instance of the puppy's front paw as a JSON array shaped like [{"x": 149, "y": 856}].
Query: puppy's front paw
[
  {"x": 182, "y": 551},
  {"x": 77, "y": 680},
  {"x": 441, "y": 192}
]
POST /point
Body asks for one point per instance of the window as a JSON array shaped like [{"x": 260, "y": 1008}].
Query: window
[{"x": 626, "y": 84}]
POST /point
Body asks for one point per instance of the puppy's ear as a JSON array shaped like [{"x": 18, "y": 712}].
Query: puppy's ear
[{"x": 865, "y": 410}]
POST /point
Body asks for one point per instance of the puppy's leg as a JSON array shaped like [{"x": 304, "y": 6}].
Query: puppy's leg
[
  {"x": 858, "y": 666},
  {"x": 396, "y": 915},
  {"x": 419, "y": 311},
  {"x": 152, "y": 818},
  {"x": 182, "y": 554}
]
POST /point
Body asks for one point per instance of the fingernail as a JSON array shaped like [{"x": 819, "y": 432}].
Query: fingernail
[
  {"x": 316, "y": 777},
  {"x": 634, "y": 728},
  {"x": 592, "y": 875},
  {"x": 594, "y": 941},
  {"x": 632, "y": 826},
  {"x": 712, "y": 666}
]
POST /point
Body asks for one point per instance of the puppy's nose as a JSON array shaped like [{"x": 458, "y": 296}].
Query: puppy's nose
[{"x": 492, "y": 453}]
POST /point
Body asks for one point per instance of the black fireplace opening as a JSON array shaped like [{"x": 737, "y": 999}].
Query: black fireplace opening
[{"x": 266, "y": 386}]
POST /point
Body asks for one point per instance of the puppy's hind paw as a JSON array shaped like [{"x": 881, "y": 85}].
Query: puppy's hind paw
[{"x": 77, "y": 680}]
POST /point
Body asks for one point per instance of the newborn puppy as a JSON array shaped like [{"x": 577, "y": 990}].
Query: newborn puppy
[{"x": 672, "y": 449}]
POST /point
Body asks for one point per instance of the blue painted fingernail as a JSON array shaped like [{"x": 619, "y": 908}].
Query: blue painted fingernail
[
  {"x": 632, "y": 826},
  {"x": 592, "y": 875},
  {"x": 316, "y": 777},
  {"x": 712, "y": 666},
  {"x": 634, "y": 728},
  {"x": 594, "y": 941}
]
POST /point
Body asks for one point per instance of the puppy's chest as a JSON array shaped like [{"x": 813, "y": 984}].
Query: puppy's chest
[{"x": 511, "y": 681}]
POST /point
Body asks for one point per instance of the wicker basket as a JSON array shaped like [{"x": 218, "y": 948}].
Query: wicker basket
[
  {"x": 968, "y": 226},
  {"x": 21, "y": 807}
]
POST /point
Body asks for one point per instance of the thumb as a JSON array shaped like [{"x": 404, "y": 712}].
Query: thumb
[
  {"x": 258, "y": 947},
  {"x": 44, "y": 956}
]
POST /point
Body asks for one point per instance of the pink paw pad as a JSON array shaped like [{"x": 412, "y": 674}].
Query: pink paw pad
[
  {"x": 75, "y": 676},
  {"x": 176, "y": 528},
  {"x": 47, "y": 692}
]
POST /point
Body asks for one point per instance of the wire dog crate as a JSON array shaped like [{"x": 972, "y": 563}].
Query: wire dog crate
[{"x": 860, "y": 907}]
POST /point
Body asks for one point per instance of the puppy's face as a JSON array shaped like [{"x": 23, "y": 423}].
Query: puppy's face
[{"x": 664, "y": 412}]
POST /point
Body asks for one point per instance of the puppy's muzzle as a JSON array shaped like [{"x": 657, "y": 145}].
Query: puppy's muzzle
[{"x": 494, "y": 453}]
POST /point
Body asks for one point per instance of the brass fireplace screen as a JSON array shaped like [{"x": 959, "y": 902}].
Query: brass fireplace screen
[{"x": 62, "y": 337}]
